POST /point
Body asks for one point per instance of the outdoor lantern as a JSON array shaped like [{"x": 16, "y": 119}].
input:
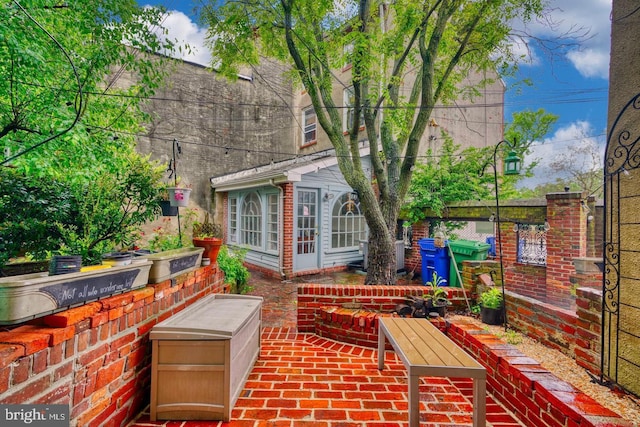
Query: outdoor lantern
[{"x": 512, "y": 164}]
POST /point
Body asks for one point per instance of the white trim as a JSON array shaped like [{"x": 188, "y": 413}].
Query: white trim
[{"x": 274, "y": 174}]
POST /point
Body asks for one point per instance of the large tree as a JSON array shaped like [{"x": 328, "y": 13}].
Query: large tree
[
  {"x": 62, "y": 110},
  {"x": 437, "y": 41},
  {"x": 66, "y": 119}
]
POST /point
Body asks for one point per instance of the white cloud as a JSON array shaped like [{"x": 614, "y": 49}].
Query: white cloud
[
  {"x": 590, "y": 62},
  {"x": 586, "y": 22},
  {"x": 183, "y": 30},
  {"x": 574, "y": 143}
]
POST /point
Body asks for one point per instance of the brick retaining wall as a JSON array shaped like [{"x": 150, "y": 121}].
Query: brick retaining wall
[
  {"x": 535, "y": 395},
  {"x": 96, "y": 357},
  {"x": 377, "y": 299}
]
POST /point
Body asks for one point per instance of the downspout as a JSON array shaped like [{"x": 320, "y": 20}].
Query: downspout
[{"x": 280, "y": 229}]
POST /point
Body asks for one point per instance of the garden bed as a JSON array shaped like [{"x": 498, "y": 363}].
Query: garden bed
[{"x": 35, "y": 295}]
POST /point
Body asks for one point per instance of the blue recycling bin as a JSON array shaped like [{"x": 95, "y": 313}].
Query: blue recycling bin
[
  {"x": 492, "y": 249},
  {"x": 433, "y": 260}
]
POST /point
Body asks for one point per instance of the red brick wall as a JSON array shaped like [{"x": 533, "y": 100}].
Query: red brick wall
[
  {"x": 588, "y": 329},
  {"x": 527, "y": 280},
  {"x": 288, "y": 227},
  {"x": 567, "y": 237},
  {"x": 553, "y": 326},
  {"x": 531, "y": 392},
  {"x": 412, "y": 257},
  {"x": 374, "y": 298},
  {"x": 534, "y": 394},
  {"x": 96, "y": 357}
]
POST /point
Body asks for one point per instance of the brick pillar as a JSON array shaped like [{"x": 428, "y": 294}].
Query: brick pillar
[
  {"x": 566, "y": 240},
  {"x": 287, "y": 239},
  {"x": 509, "y": 254},
  {"x": 412, "y": 256}
]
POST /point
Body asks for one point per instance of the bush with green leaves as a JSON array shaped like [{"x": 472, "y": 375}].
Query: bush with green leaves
[
  {"x": 30, "y": 210},
  {"x": 231, "y": 262},
  {"x": 44, "y": 217},
  {"x": 491, "y": 298}
]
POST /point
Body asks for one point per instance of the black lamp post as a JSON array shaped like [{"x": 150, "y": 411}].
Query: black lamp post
[{"x": 512, "y": 165}]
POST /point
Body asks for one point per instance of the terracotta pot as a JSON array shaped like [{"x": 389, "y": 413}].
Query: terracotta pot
[{"x": 211, "y": 247}]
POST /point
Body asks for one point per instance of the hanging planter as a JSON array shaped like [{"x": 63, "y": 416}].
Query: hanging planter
[
  {"x": 179, "y": 196},
  {"x": 167, "y": 209}
]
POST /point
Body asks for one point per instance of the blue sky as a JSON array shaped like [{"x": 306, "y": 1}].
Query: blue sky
[{"x": 573, "y": 86}]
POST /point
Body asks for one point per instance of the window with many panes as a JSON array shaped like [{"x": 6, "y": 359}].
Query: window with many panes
[
  {"x": 251, "y": 221},
  {"x": 233, "y": 220},
  {"x": 347, "y": 118},
  {"x": 272, "y": 222},
  {"x": 348, "y": 225},
  {"x": 310, "y": 126}
]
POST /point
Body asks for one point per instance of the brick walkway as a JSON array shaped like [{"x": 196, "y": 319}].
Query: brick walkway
[{"x": 308, "y": 381}]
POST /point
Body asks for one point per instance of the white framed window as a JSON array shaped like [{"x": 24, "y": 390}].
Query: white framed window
[
  {"x": 272, "y": 222},
  {"x": 251, "y": 221},
  {"x": 347, "y": 50},
  {"x": 348, "y": 225},
  {"x": 309, "y": 120},
  {"x": 233, "y": 220},
  {"x": 347, "y": 117}
]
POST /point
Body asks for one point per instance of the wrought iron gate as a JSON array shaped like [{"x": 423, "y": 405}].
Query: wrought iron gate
[{"x": 620, "y": 351}]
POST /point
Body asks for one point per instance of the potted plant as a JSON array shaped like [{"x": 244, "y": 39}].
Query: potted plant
[
  {"x": 207, "y": 235},
  {"x": 179, "y": 194},
  {"x": 437, "y": 298},
  {"x": 491, "y": 306},
  {"x": 165, "y": 204}
]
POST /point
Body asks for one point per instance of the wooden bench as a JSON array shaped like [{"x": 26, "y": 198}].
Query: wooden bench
[{"x": 425, "y": 351}]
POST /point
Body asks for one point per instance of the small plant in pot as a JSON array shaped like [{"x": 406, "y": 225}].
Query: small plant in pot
[
  {"x": 437, "y": 299},
  {"x": 491, "y": 303},
  {"x": 207, "y": 235}
]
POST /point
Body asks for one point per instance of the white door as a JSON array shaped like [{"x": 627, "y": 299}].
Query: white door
[{"x": 306, "y": 233}]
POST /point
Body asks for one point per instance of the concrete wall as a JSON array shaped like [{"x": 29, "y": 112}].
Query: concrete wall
[
  {"x": 223, "y": 126},
  {"x": 622, "y": 195},
  {"x": 476, "y": 122}
]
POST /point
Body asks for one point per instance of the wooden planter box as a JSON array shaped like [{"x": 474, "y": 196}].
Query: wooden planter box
[
  {"x": 202, "y": 356},
  {"x": 35, "y": 295},
  {"x": 169, "y": 264}
]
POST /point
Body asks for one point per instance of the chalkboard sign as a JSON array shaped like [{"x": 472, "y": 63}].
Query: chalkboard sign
[
  {"x": 179, "y": 264},
  {"x": 91, "y": 288}
]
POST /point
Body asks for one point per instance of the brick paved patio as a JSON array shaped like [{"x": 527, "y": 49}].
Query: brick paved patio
[{"x": 305, "y": 380}]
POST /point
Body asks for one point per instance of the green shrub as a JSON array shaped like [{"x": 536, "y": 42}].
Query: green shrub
[
  {"x": 231, "y": 262},
  {"x": 491, "y": 298}
]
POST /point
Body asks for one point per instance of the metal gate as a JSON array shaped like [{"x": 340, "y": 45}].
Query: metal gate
[{"x": 620, "y": 351}]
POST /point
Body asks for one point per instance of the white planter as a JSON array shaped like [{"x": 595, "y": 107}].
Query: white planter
[
  {"x": 179, "y": 196},
  {"x": 35, "y": 295},
  {"x": 169, "y": 264}
]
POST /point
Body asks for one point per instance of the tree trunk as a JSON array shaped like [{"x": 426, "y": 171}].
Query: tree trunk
[{"x": 381, "y": 267}]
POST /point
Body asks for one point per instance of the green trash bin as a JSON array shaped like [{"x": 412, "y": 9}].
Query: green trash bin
[{"x": 465, "y": 250}]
